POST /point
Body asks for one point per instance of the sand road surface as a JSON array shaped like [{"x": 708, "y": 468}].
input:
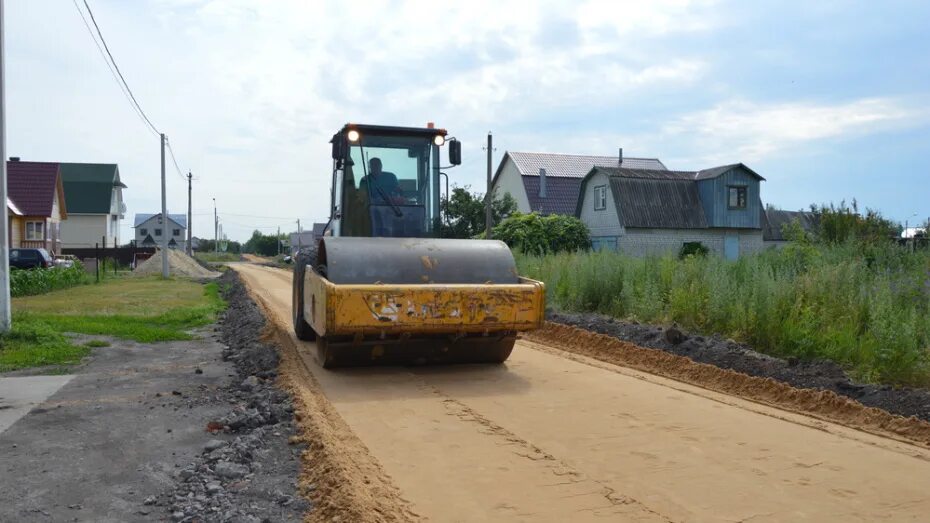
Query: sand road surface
[{"x": 547, "y": 437}]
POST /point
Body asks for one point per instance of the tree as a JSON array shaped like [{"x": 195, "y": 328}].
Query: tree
[
  {"x": 265, "y": 245},
  {"x": 841, "y": 223},
  {"x": 463, "y": 214}
]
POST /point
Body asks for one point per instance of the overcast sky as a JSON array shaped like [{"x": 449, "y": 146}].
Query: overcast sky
[{"x": 826, "y": 100}]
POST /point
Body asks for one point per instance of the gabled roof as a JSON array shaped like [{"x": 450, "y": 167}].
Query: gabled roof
[
  {"x": 148, "y": 240},
  {"x": 89, "y": 186},
  {"x": 32, "y": 187},
  {"x": 714, "y": 172},
  {"x": 573, "y": 165},
  {"x": 774, "y": 220},
  {"x": 179, "y": 219},
  {"x": 653, "y": 199},
  {"x": 561, "y": 194},
  {"x": 12, "y": 207}
]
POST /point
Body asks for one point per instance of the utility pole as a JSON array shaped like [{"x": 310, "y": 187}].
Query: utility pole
[
  {"x": 487, "y": 195},
  {"x": 190, "y": 248},
  {"x": 216, "y": 229},
  {"x": 4, "y": 221},
  {"x": 278, "y": 238},
  {"x": 298, "y": 235},
  {"x": 164, "y": 214}
]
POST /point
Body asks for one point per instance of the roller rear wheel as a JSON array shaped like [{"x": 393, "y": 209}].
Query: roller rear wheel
[{"x": 301, "y": 328}]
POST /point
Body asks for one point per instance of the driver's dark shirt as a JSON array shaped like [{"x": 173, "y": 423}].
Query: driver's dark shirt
[{"x": 386, "y": 181}]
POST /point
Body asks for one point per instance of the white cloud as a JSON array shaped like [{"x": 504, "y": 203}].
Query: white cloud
[{"x": 748, "y": 131}]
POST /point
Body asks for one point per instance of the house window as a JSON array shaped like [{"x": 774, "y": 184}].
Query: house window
[
  {"x": 600, "y": 197},
  {"x": 157, "y": 232},
  {"x": 737, "y": 197},
  {"x": 35, "y": 230},
  {"x": 176, "y": 232},
  {"x": 143, "y": 231}
]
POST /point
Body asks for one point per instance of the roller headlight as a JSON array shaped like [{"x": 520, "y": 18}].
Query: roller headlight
[
  {"x": 353, "y": 136},
  {"x": 439, "y": 140}
]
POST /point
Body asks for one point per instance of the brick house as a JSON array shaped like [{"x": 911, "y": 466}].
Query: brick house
[
  {"x": 643, "y": 212},
  {"x": 36, "y": 192}
]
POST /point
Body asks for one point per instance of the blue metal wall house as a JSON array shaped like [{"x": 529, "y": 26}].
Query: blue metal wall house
[{"x": 713, "y": 188}]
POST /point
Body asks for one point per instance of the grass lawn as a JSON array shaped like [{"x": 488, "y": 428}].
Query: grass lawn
[{"x": 140, "y": 309}]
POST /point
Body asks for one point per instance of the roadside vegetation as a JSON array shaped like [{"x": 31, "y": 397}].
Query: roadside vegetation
[
  {"x": 845, "y": 293},
  {"x": 216, "y": 257},
  {"x": 141, "y": 309},
  {"x": 38, "y": 281}
]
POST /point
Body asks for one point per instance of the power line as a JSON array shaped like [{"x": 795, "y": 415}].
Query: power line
[
  {"x": 116, "y": 66},
  {"x": 109, "y": 65},
  {"x": 174, "y": 160}
]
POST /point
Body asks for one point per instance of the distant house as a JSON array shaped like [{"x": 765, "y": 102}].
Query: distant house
[
  {"x": 549, "y": 183},
  {"x": 302, "y": 239},
  {"x": 648, "y": 211},
  {"x": 774, "y": 222},
  {"x": 151, "y": 228},
  {"x": 37, "y": 204},
  {"x": 95, "y": 204}
]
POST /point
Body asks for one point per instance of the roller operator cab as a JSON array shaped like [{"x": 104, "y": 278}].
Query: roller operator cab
[{"x": 381, "y": 286}]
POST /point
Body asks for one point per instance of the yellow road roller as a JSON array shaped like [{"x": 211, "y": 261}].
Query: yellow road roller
[{"x": 381, "y": 286}]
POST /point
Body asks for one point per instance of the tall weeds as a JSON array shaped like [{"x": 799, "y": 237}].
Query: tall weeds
[{"x": 866, "y": 307}]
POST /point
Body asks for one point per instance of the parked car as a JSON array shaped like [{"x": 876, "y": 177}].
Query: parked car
[
  {"x": 30, "y": 259},
  {"x": 65, "y": 261}
]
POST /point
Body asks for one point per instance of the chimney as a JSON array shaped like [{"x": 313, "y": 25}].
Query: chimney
[
  {"x": 542, "y": 183},
  {"x": 14, "y": 158},
  {"x": 620, "y": 163}
]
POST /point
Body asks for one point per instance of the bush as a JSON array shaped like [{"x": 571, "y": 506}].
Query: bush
[
  {"x": 40, "y": 281},
  {"x": 536, "y": 234},
  {"x": 692, "y": 249}
]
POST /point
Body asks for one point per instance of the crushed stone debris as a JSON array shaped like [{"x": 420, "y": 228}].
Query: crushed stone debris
[{"x": 252, "y": 475}]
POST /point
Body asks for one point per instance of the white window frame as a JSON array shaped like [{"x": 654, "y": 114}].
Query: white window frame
[
  {"x": 600, "y": 197},
  {"x": 38, "y": 231}
]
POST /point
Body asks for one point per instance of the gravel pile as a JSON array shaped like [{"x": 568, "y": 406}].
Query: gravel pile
[
  {"x": 248, "y": 472},
  {"x": 727, "y": 354},
  {"x": 179, "y": 263}
]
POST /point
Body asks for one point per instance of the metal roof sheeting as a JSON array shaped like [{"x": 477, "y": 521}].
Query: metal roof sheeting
[
  {"x": 32, "y": 186},
  {"x": 561, "y": 194},
  {"x": 658, "y": 203},
  {"x": 89, "y": 186},
  {"x": 575, "y": 165},
  {"x": 180, "y": 219},
  {"x": 773, "y": 222}
]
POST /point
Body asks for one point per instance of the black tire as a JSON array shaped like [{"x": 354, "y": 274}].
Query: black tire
[
  {"x": 323, "y": 354},
  {"x": 301, "y": 328}
]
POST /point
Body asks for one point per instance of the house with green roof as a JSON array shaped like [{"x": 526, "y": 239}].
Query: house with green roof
[{"x": 95, "y": 193}]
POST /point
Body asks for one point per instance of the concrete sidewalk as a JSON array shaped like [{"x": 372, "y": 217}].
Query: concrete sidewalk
[
  {"x": 105, "y": 439},
  {"x": 20, "y": 394}
]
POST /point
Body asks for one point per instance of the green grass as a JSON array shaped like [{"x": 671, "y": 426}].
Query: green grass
[
  {"x": 867, "y": 308},
  {"x": 216, "y": 257},
  {"x": 141, "y": 309},
  {"x": 34, "y": 343}
]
